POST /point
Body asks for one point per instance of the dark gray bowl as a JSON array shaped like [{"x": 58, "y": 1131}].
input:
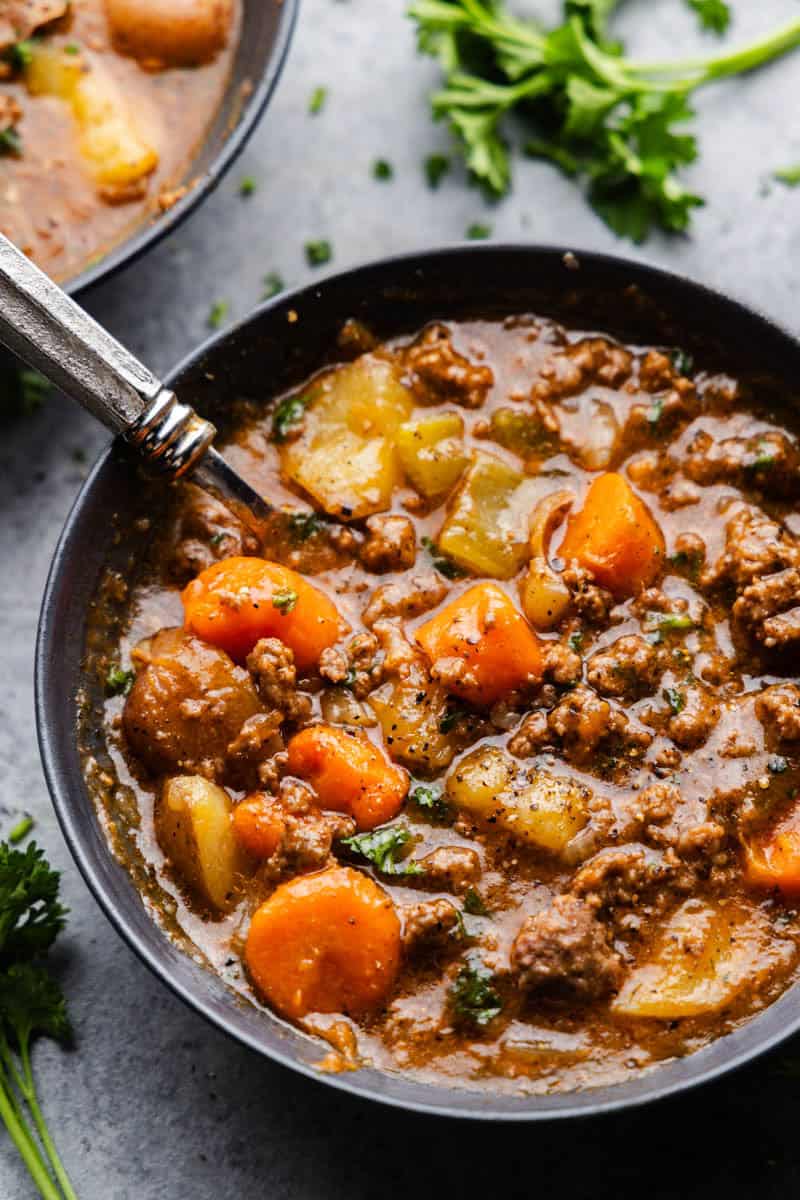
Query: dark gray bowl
[
  {"x": 266, "y": 31},
  {"x": 393, "y": 296}
]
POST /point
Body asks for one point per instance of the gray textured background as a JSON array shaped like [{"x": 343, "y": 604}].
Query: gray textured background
[{"x": 153, "y": 1104}]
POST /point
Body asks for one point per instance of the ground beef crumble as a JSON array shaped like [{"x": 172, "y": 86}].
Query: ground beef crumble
[{"x": 565, "y": 948}]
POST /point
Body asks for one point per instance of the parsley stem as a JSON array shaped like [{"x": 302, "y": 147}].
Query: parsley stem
[
  {"x": 22, "y": 1136},
  {"x": 755, "y": 55},
  {"x": 29, "y": 1092}
]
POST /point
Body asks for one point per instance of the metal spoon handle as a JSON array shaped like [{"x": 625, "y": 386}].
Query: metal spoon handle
[{"x": 41, "y": 325}]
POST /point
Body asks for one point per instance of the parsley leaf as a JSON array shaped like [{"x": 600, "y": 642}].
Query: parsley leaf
[
  {"x": 611, "y": 122},
  {"x": 318, "y": 253},
  {"x": 10, "y": 142},
  {"x": 382, "y": 170},
  {"x": 288, "y": 417},
  {"x": 273, "y": 285},
  {"x": 675, "y": 699},
  {"x": 474, "y": 904},
  {"x": 432, "y": 802},
  {"x": 247, "y": 186},
  {"x": 303, "y": 525},
  {"x": 714, "y": 15},
  {"x": 317, "y": 101},
  {"x": 285, "y": 600},
  {"x": 119, "y": 682},
  {"x": 472, "y": 996},
  {"x": 788, "y": 175},
  {"x": 30, "y": 915},
  {"x": 478, "y": 232},
  {"x": 217, "y": 314},
  {"x": 436, "y": 167},
  {"x": 383, "y": 848}
]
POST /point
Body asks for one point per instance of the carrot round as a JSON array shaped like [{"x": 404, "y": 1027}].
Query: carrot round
[
  {"x": 488, "y": 636},
  {"x": 349, "y": 773},
  {"x": 258, "y": 825},
  {"x": 773, "y": 860},
  {"x": 615, "y": 537},
  {"x": 236, "y": 602},
  {"x": 327, "y": 942}
]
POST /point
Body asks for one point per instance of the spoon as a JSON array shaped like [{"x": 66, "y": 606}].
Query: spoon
[{"x": 42, "y": 325}]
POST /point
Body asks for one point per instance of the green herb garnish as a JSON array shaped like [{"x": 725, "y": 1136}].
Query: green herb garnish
[
  {"x": 682, "y": 362},
  {"x": 303, "y": 525},
  {"x": 474, "y": 904},
  {"x": 382, "y": 170},
  {"x": 472, "y": 996},
  {"x": 655, "y": 411},
  {"x": 383, "y": 848},
  {"x": 617, "y": 124},
  {"x": 318, "y": 253},
  {"x": 451, "y": 718},
  {"x": 317, "y": 101},
  {"x": 21, "y": 829},
  {"x": 247, "y": 186},
  {"x": 575, "y": 641},
  {"x": 31, "y": 1003},
  {"x": 217, "y": 314},
  {"x": 436, "y": 167},
  {"x": 788, "y": 175},
  {"x": 444, "y": 565},
  {"x": 273, "y": 285},
  {"x": 477, "y": 232},
  {"x": 119, "y": 682},
  {"x": 431, "y": 801},
  {"x": 714, "y": 15},
  {"x": 20, "y": 55},
  {"x": 288, "y": 417},
  {"x": 285, "y": 600},
  {"x": 10, "y": 142},
  {"x": 675, "y": 699},
  {"x": 33, "y": 389}
]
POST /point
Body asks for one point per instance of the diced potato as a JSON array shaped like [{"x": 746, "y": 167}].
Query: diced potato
[
  {"x": 195, "y": 831},
  {"x": 486, "y": 530},
  {"x": 706, "y": 955},
  {"x": 431, "y": 452},
  {"x": 345, "y": 456},
  {"x": 181, "y": 33},
  {"x": 546, "y": 811},
  {"x": 410, "y": 715},
  {"x": 109, "y": 140},
  {"x": 478, "y": 781},
  {"x": 51, "y": 72}
]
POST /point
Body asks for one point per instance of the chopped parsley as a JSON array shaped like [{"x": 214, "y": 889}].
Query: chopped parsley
[
  {"x": 472, "y": 996},
  {"x": 474, "y": 903},
  {"x": 21, "y": 829},
  {"x": 384, "y": 848},
  {"x": 788, "y": 175},
  {"x": 436, "y": 167},
  {"x": 287, "y": 418},
  {"x": 10, "y": 142},
  {"x": 682, "y": 361},
  {"x": 247, "y": 186},
  {"x": 217, "y": 314},
  {"x": 675, "y": 699},
  {"x": 431, "y": 801},
  {"x": 273, "y": 285},
  {"x": 285, "y": 600},
  {"x": 655, "y": 411},
  {"x": 33, "y": 389},
  {"x": 303, "y": 525},
  {"x": 318, "y": 253},
  {"x": 382, "y": 170},
  {"x": 478, "y": 232},
  {"x": 119, "y": 682},
  {"x": 317, "y": 101},
  {"x": 444, "y": 565},
  {"x": 20, "y": 55},
  {"x": 575, "y": 641},
  {"x": 451, "y": 718}
]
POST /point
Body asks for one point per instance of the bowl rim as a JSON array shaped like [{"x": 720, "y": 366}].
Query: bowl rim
[
  {"x": 155, "y": 229},
  {"x": 729, "y": 1052}
]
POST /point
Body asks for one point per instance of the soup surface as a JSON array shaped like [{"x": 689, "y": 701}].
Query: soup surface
[
  {"x": 103, "y": 105},
  {"x": 484, "y": 765}
]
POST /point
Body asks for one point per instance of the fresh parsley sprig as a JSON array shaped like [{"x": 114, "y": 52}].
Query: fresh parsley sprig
[{"x": 613, "y": 123}]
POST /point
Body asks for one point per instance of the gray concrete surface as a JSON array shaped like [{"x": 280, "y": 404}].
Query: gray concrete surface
[{"x": 153, "y": 1104}]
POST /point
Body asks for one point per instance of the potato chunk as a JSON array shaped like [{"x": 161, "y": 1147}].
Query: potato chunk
[
  {"x": 706, "y": 955},
  {"x": 545, "y": 811},
  {"x": 431, "y": 452},
  {"x": 486, "y": 530},
  {"x": 178, "y": 33},
  {"x": 194, "y": 825},
  {"x": 410, "y": 714},
  {"x": 345, "y": 456},
  {"x": 110, "y": 142}
]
